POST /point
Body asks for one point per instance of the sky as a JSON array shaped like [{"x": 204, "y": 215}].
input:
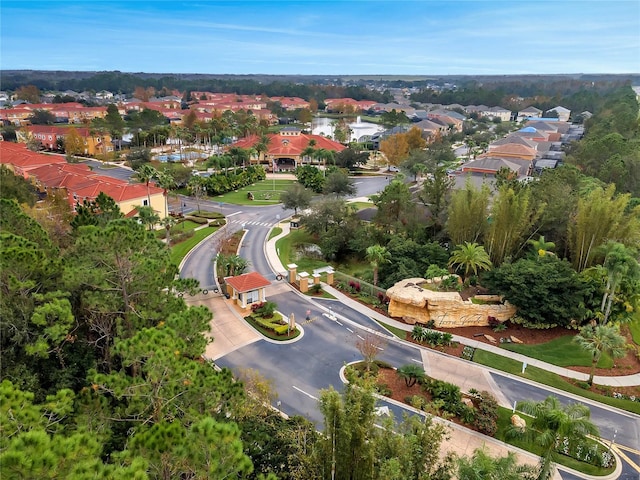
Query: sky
[{"x": 313, "y": 37}]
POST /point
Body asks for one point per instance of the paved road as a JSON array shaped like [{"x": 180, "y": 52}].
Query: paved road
[
  {"x": 300, "y": 370},
  {"x": 115, "y": 172}
]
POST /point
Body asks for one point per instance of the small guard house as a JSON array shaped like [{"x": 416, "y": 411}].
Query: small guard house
[{"x": 247, "y": 289}]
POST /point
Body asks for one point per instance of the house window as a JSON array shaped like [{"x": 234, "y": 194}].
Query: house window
[
  {"x": 145, "y": 203},
  {"x": 253, "y": 296}
]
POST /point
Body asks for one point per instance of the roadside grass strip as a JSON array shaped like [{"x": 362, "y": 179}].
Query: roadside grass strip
[
  {"x": 180, "y": 250},
  {"x": 265, "y": 192},
  {"x": 562, "y": 351}
]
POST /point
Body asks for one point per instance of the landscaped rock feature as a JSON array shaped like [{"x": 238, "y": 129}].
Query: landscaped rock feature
[
  {"x": 413, "y": 301},
  {"x": 518, "y": 422}
]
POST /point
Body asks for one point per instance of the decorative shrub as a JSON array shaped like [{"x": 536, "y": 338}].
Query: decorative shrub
[
  {"x": 416, "y": 401},
  {"x": 445, "y": 391},
  {"x": 467, "y": 353},
  {"x": 265, "y": 309},
  {"x": 198, "y": 220},
  {"x": 486, "y": 420},
  {"x": 383, "y": 389},
  {"x": 315, "y": 288},
  {"x": 209, "y": 215}
]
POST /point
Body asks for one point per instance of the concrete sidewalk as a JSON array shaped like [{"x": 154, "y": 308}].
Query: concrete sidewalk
[
  {"x": 231, "y": 332},
  {"x": 619, "y": 381}
]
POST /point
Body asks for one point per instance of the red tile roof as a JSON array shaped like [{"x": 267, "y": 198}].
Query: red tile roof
[
  {"x": 247, "y": 282},
  {"x": 23, "y": 159},
  {"x": 52, "y": 171},
  {"x": 291, "y": 145}
]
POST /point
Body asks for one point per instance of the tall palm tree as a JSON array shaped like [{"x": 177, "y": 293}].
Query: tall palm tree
[
  {"x": 167, "y": 223},
  {"x": 598, "y": 340},
  {"x": 482, "y": 466},
  {"x": 377, "y": 255},
  {"x": 471, "y": 257},
  {"x": 553, "y": 422},
  {"x": 145, "y": 174},
  {"x": 262, "y": 147},
  {"x": 619, "y": 263},
  {"x": 165, "y": 181}
]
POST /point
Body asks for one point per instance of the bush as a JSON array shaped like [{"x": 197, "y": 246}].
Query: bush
[
  {"x": 486, "y": 420},
  {"x": 466, "y": 414},
  {"x": 316, "y": 288},
  {"x": 383, "y": 389},
  {"x": 467, "y": 353},
  {"x": 209, "y": 215},
  {"x": 198, "y": 220},
  {"x": 445, "y": 391},
  {"x": 416, "y": 401},
  {"x": 265, "y": 309}
]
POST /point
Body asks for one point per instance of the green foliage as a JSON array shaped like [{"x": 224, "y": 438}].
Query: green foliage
[
  {"x": 471, "y": 257},
  {"x": 310, "y": 177},
  {"x": 486, "y": 416},
  {"x": 545, "y": 289},
  {"x": 296, "y": 197},
  {"x": 601, "y": 339},
  {"x": 553, "y": 423},
  {"x": 512, "y": 218},
  {"x": 230, "y": 181},
  {"x": 411, "y": 374},
  {"x": 468, "y": 211},
  {"x": 15, "y": 187}
]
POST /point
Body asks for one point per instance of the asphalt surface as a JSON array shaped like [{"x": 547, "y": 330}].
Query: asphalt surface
[{"x": 300, "y": 370}]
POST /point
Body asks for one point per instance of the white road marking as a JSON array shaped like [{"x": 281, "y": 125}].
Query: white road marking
[
  {"x": 360, "y": 337},
  {"x": 417, "y": 361},
  {"x": 349, "y": 329},
  {"x": 304, "y": 393},
  {"x": 339, "y": 323},
  {"x": 380, "y": 348},
  {"x": 232, "y": 214}
]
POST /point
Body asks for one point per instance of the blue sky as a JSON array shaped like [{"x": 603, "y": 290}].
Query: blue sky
[{"x": 354, "y": 37}]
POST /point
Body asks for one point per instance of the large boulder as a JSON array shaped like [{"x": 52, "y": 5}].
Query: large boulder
[
  {"x": 413, "y": 301},
  {"x": 518, "y": 422}
]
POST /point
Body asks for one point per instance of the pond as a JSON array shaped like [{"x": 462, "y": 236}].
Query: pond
[
  {"x": 176, "y": 157},
  {"x": 324, "y": 126}
]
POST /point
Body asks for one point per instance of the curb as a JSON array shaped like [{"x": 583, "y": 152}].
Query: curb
[{"x": 485, "y": 439}]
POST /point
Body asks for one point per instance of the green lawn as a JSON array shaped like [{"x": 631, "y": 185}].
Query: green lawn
[
  {"x": 548, "y": 378},
  {"x": 265, "y": 192},
  {"x": 504, "y": 421},
  {"x": 398, "y": 332},
  {"x": 179, "y": 251},
  {"x": 562, "y": 352},
  {"x": 362, "y": 205},
  {"x": 286, "y": 248},
  {"x": 275, "y": 231}
]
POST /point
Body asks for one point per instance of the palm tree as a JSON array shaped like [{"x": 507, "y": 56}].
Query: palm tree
[
  {"x": 598, "y": 340},
  {"x": 619, "y": 263},
  {"x": 542, "y": 247},
  {"x": 482, "y": 466},
  {"x": 552, "y": 423},
  {"x": 148, "y": 216},
  {"x": 145, "y": 174},
  {"x": 165, "y": 181},
  {"x": 411, "y": 373},
  {"x": 167, "y": 223},
  {"x": 377, "y": 255},
  {"x": 471, "y": 257},
  {"x": 262, "y": 147},
  {"x": 237, "y": 265}
]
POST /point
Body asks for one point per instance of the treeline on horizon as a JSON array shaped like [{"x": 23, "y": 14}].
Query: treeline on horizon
[{"x": 577, "y": 92}]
